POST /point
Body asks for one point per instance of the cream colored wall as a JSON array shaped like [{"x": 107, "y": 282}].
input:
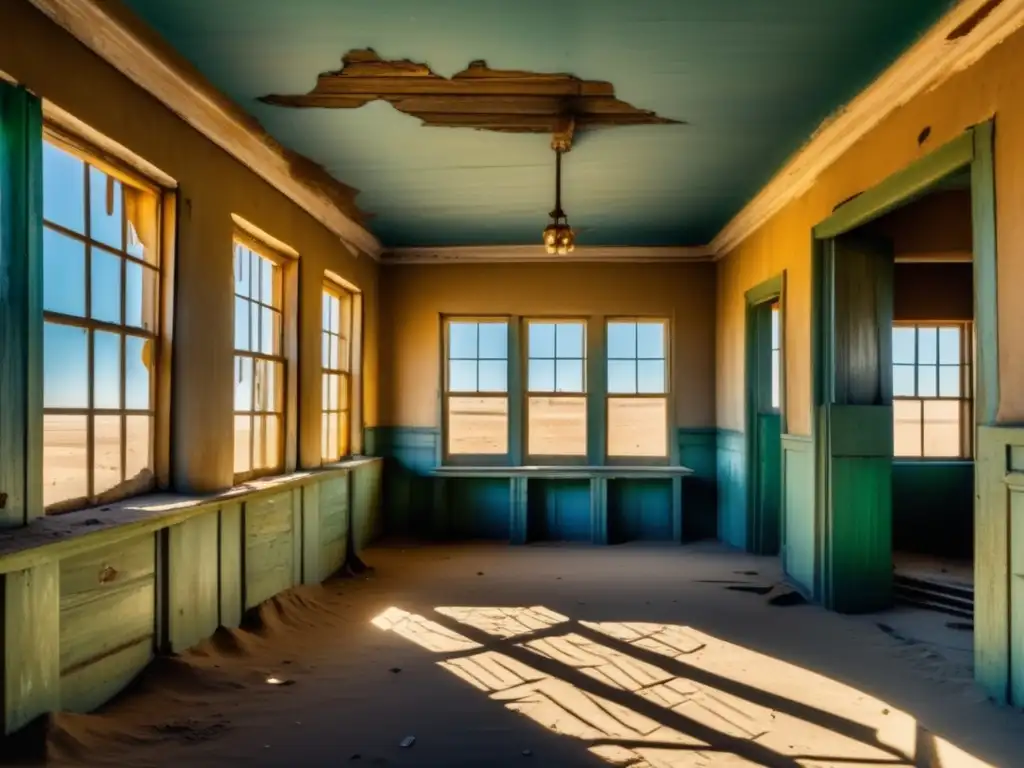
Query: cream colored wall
[
  {"x": 993, "y": 86},
  {"x": 414, "y": 297},
  {"x": 212, "y": 186}
]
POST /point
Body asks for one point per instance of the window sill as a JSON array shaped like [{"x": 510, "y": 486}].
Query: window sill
[
  {"x": 570, "y": 472},
  {"x": 62, "y": 535}
]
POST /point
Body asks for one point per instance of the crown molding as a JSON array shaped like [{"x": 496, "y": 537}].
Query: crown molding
[
  {"x": 111, "y": 32},
  {"x": 523, "y": 254},
  {"x": 925, "y": 66}
]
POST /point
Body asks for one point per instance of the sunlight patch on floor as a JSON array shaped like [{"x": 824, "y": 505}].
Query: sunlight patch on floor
[{"x": 707, "y": 703}]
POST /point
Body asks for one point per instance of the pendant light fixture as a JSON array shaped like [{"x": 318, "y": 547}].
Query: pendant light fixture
[{"x": 558, "y": 235}]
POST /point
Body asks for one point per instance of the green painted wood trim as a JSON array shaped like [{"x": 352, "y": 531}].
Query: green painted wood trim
[
  {"x": 30, "y": 632},
  {"x": 232, "y": 565},
  {"x": 193, "y": 580},
  {"x": 26, "y": 548},
  {"x": 21, "y": 306},
  {"x": 312, "y": 568},
  {"x": 678, "y": 510},
  {"x": 568, "y": 473},
  {"x": 754, "y": 352},
  {"x": 797, "y": 442},
  {"x": 898, "y": 188},
  {"x": 519, "y": 532},
  {"x": 861, "y": 430},
  {"x": 986, "y": 295}
]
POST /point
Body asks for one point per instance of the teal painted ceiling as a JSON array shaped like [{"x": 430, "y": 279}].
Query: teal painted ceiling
[{"x": 751, "y": 78}]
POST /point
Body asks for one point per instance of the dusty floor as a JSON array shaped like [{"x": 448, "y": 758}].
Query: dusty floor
[{"x": 554, "y": 656}]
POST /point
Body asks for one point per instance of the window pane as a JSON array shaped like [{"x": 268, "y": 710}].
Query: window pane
[
  {"x": 273, "y": 438},
  {"x": 138, "y": 448},
  {"x": 65, "y": 457},
  {"x": 332, "y": 436},
  {"x": 332, "y": 395},
  {"x": 949, "y": 380},
  {"x": 65, "y": 366},
  {"x": 106, "y": 370},
  {"x": 243, "y": 383},
  {"x": 493, "y": 376},
  {"x": 335, "y": 318},
  {"x": 324, "y": 422},
  {"x": 941, "y": 428},
  {"x": 138, "y": 361},
  {"x": 650, "y": 340},
  {"x": 254, "y": 327},
  {"x": 242, "y": 325},
  {"x": 241, "y": 270},
  {"x": 638, "y": 426},
  {"x": 927, "y": 381},
  {"x": 906, "y": 432},
  {"x": 570, "y": 340},
  {"x": 557, "y": 426},
  {"x": 325, "y": 396},
  {"x": 259, "y": 445},
  {"x": 903, "y": 381},
  {"x": 622, "y": 377},
  {"x": 462, "y": 376},
  {"x": 105, "y": 209},
  {"x": 477, "y": 425},
  {"x": 903, "y": 346},
  {"x": 344, "y": 361},
  {"x": 270, "y": 332},
  {"x": 650, "y": 376},
  {"x": 106, "y": 453},
  {"x": 344, "y": 435},
  {"x": 344, "y": 387},
  {"x": 325, "y": 349},
  {"x": 949, "y": 345},
  {"x": 63, "y": 188},
  {"x": 542, "y": 375},
  {"x": 106, "y": 286},
  {"x": 140, "y": 296},
  {"x": 542, "y": 340},
  {"x": 254, "y": 274},
  {"x": 243, "y": 436},
  {"x": 775, "y": 327},
  {"x": 267, "y": 270},
  {"x": 621, "y": 340},
  {"x": 325, "y": 320},
  {"x": 493, "y": 341},
  {"x": 335, "y": 352},
  {"x": 462, "y": 341},
  {"x": 776, "y": 400},
  {"x": 63, "y": 274},
  {"x": 927, "y": 345},
  {"x": 569, "y": 376}
]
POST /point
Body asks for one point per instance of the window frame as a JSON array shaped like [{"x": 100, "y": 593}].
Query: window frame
[
  {"x": 511, "y": 384},
  {"x": 526, "y": 393},
  {"x": 159, "y": 338},
  {"x": 966, "y": 398},
  {"x": 241, "y": 237},
  {"x": 346, "y": 370},
  {"x": 625, "y": 461}
]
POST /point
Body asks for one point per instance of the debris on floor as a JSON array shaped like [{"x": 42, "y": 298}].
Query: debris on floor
[{"x": 407, "y": 742}]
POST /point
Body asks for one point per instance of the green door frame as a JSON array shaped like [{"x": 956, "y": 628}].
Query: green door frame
[
  {"x": 773, "y": 289},
  {"x": 974, "y": 149}
]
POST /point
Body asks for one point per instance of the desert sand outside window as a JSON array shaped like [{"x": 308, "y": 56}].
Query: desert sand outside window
[
  {"x": 476, "y": 387},
  {"x": 259, "y": 364},
  {"x": 556, "y": 404},
  {"x": 637, "y": 407},
  {"x": 336, "y": 336},
  {"x": 101, "y": 310},
  {"x": 932, "y": 404}
]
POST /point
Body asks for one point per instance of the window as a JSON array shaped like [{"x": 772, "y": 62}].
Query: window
[
  {"x": 335, "y": 435},
  {"x": 931, "y": 391},
  {"x": 556, "y": 388},
  {"x": 776, "y": 369},
  {"x": 259, "y": 360},
  {"x": 101, "y": 303},
  {"x": 637, "y": 389},
  {"x": 476, "y": 387}
]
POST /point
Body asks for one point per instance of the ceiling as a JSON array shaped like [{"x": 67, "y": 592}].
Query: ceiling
[{"x": 751, "y": 79}]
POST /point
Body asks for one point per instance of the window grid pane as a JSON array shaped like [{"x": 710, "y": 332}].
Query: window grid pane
[
  {"x": 556, "y": 357},
  {"x": 335, "y": 423},
  {"x": 931, "y": 391},
  {"x": 101, "y": 273},
  {"x": 259, "y": 363},
  {"x": 476, "y": 387},
  {"x": 637, "y": 387}
]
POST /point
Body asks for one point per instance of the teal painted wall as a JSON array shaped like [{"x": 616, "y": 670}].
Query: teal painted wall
[
  {"x": 558, "y": 510},
  {"x": 933, "y": 507},
  {"x": 418, "y": 505},
  {"x": 731, "y": 474}
]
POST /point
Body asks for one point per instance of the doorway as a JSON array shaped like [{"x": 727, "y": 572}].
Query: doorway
[
  {"x": 764, "y": 407},
  {"x": 856, "y": 346}
]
